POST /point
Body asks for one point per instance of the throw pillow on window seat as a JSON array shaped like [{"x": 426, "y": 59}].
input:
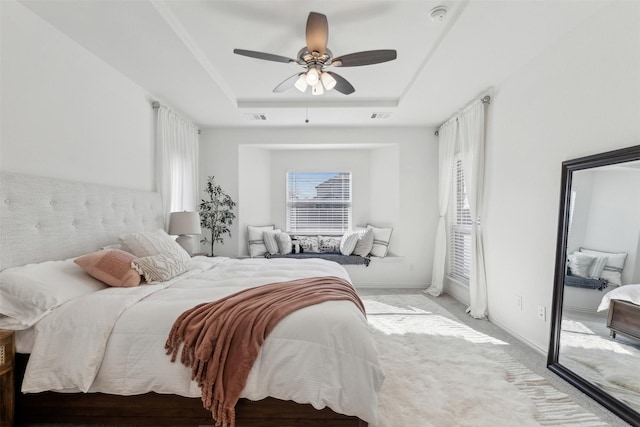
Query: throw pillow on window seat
[
  {"x": 365, "y": 242},
  {"x": 381, "y": 237},
  {"x": 308, "y": 243},
  {"x": 612, "y": 270},
  {"x": 349, "y": 241},
  {"x": 256, "y": 244},
  {"x": 285, "y": 245},
  {"x": 270, "y": 238},
  {"x": 329, "y": 244}
]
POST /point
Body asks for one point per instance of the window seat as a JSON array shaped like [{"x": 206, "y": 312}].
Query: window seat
[{"x": 331, "y": 256}]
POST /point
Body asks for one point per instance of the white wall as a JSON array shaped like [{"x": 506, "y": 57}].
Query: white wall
[
  {"x": 395, "y": 175},
  {"x": 580, "y": 97},
  {"x": 614, "y": 217},
  {"x": 65, "y": 113}
]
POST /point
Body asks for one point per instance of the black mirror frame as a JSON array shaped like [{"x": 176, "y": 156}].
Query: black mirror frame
[{"x": 619, "y": 408}]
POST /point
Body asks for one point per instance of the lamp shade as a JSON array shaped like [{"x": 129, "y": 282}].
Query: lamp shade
[
  {"x": 181, "y": 223},
  {"x": 328, "y": 81},
  {"x": 301, "y": 83}
]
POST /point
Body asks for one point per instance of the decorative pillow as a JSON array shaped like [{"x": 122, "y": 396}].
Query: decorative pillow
[
  {"x": 256, "y": 242},
  {"x": 598, "y": 265},
  {"x": 30, "y": 291},
  {"x": 159, "y": 268},
  {"x": 155, "y": 242},
  {"x": 111, "y": 266},
  {"x": 365, "y": 242},
  {"x": 348, "y": 242},
  {"x": 295, "y": 245},
  {"x": 284, "y": 243},
  {"x": 381, "y": 237},
  {"x": 612, "y": 270},
  {"x": 308, "y": 243},
  {"x": 329, "y": 244},
  {"x": 270, "y": 241},
  {"x": 580, "y": 264}
]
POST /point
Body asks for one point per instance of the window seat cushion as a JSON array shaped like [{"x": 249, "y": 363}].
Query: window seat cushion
[{"x": 331, "y": 256}]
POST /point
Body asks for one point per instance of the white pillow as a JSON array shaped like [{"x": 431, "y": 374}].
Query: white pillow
[
  {"x": 270, "y": 240},
  {"x": 365, "y": 242},
  {"x": 29, "y": 292},
  {"x": 598, "y": 265},
  {"x": 159, "y": 268},
  {"x": 381, "y": 237},
  {"x": 612, "y": 270},
  {"x": 348, "y": 242},
  {"x": 580, "y": 264},
  {"x": 155, "y": 242},
  {"x": 255, "y": 239},
  {"x": 285, "y": 245}
]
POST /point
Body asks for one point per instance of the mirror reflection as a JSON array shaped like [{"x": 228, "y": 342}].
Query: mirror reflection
[{"x": 600, "y": 324}]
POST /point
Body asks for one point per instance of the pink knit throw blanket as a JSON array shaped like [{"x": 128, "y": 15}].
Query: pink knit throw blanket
[{"x": 221, "y": 339}]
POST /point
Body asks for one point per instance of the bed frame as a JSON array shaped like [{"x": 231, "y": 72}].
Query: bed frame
[
  {"x": 624, "y": 318},
  {"x": 51, "y": 219}
]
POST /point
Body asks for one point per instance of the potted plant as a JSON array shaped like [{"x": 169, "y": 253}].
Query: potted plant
[{"x": 216, "y": 213}]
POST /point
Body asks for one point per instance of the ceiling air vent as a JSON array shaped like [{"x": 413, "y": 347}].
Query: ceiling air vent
[
  {"x": 256, "y": 116},
  {"x": 380, "y": 115}
]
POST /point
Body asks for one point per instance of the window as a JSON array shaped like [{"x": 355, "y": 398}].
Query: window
[
  {"x": 460, "y": 232},
  {"x": 318, "y": 202}
]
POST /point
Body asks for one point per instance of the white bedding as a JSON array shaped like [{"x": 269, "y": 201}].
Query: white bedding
[
  {"x": 112, "y": 340},
  {"x": 629, "y": 293}
]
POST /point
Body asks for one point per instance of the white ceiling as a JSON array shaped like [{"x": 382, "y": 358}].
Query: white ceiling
[{"x": 181, "y": 52}]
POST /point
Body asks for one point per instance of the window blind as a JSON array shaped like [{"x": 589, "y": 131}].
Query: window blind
[
  {"x": 460, "y": 232},
  {"x": 318, "y": 202}
]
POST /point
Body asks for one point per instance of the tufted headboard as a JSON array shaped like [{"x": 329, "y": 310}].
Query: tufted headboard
[{"x": 50, "y": 219}]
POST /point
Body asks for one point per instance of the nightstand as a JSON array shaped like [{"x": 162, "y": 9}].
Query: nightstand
[{"x": 7, "y": 352}]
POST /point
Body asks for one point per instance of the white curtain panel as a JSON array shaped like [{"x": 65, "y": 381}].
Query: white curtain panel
[
  {"x": 471, "y": 127},
  {"x": 176, "y": 162},
  {"x": 447, "y": 135}
]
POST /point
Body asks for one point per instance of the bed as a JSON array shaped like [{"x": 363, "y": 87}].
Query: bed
[
  {"x": 623, "y": 304},
  {"x": 102, "y": 348}
]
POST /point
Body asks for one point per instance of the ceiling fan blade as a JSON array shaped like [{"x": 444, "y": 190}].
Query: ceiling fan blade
[
  {"x": 368, "y": 57},
  {"x": 287, "y": 84},
  {"x": 317, "y": 32},
  {"x": 262, "y": 55},
  {"x": 342, "y": 85}
]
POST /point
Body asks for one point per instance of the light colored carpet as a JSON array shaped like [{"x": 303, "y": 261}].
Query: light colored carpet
[
  {"x": 441, "y": 372},
  {"x": 587, "y": 349}
]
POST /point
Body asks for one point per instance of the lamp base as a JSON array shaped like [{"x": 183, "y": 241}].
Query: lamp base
[{"x": 189, "y": 243}]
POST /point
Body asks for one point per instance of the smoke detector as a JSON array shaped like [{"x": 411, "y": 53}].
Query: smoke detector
[{"x": 438, "y": 14}]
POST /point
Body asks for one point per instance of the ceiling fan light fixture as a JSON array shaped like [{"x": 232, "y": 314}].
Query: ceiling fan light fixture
[
  {"x": 301, "y": 83},
  {"x": 328, "y": 81},
  {"x": 317, "y": 89},
  {"x": 313, "y": 76}
]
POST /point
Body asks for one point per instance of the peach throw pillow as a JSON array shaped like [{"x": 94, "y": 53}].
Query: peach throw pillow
[{"x": 111, "y": 266}]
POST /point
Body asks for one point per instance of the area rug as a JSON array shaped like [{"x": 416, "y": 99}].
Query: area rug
[
  {"x": 440, "y": 372},
  {"x": 587, "y": 349}
]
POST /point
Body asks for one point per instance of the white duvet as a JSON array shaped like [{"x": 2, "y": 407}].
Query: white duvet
[
  {"x": 629, "y": 293},
  {"x": 112, "y": 341}
]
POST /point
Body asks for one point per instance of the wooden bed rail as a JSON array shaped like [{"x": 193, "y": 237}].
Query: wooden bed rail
[{"x": 160, "y": 409}]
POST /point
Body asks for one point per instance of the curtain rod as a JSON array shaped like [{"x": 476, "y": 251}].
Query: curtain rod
[
  {"x": 485, "y": 100},
  {"x": 155, "y": 105}
]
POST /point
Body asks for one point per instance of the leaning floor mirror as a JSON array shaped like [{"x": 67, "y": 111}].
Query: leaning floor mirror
[{"x": 595, "y": 325}]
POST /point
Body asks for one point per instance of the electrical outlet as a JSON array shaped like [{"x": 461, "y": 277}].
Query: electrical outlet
[
  {"x": 542, "y": 312},
  {"x": 519, "y": 302}
]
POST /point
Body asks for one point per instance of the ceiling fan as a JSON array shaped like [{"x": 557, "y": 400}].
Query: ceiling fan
[{"x": 315, "y": 58}]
